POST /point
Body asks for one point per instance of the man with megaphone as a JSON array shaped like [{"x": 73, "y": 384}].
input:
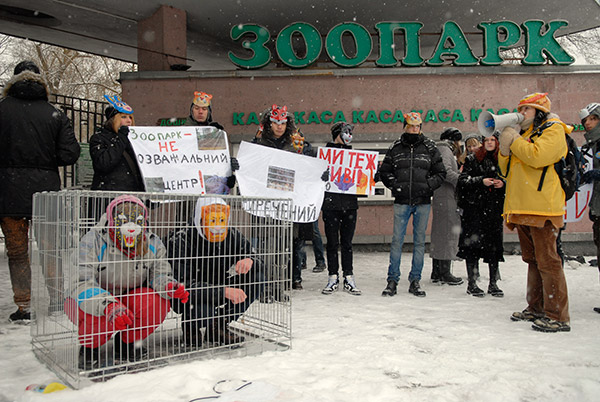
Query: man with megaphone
[{"x": 534, "y": 205}]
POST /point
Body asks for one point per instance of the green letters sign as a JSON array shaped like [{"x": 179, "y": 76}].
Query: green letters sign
[{"x": 539, "y": 37}]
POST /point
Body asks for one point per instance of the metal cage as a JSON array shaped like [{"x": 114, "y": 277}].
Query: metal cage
[{"x": 87, "y": 277}]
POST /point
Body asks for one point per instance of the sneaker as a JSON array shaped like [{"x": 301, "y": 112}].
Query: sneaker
[
  {"x": 21, "y": 316},
  {"x": 350, "y": 286},
  {"x": 525, "y": 315},
  {"x": 297, "y": 285},
  {"x": 390, "y": 289},
  {"x": 415, "y": 289},
  {"x": 546, "y": 324},
  {"x": 332, "y": 285},
  {"x": 320, "y": 267}
]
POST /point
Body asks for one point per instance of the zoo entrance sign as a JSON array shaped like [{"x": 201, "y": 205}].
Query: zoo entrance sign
[{"x": 539, "y": 42}]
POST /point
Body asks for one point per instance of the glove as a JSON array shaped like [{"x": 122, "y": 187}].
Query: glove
[
  {"x": 591, "y": 176},
  {"x": 217, "y": 125},
  {"x": 177, "y": 291},
  {"x": 235, "y": 165},
  {"x": 124, "y": 130},
  {"x": 325, "y": 175},
  {"x": 235, "y": 295},
  {"x": 243, "y": 266},
  {"x": 118, "y": 316},
  {"x": 507, "y": 137}
]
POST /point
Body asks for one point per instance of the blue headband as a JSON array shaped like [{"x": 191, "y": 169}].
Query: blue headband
[{"x": 118, "y": 104}]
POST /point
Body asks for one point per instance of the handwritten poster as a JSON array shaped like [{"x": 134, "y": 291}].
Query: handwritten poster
[
  {"x": 190, "y": 160},
  {"x": 274, "y": 174},
  {"x": 350, "y": 171}
]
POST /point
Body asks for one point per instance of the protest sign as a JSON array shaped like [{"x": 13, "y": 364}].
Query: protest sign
[
  {"x": 192, "y": 160},
  {"x": 350, "y": 171},
  {"x": 275, "y": 174}
]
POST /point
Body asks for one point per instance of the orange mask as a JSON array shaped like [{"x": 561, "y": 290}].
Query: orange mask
[{"x": 215, "y": 220}]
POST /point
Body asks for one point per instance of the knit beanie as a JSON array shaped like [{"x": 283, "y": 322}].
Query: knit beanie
[
  {"x": 536, "y": 100},
  {"x": 26, "y": 65}
]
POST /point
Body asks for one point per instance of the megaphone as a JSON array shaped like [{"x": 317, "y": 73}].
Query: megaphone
[{"x": 487, "y": 122}]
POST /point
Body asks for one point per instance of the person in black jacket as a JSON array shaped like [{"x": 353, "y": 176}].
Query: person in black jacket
[
  {"x": 219, "y": 268},
  {"x": 36, "y": 138},
  {"x": 481, "y": 197},
  {"x": 339, "y": 216},
  {"x": 113, "y": 158},
  {"x": 412, "y": 169},
  {"x": 201, "y": 116}
]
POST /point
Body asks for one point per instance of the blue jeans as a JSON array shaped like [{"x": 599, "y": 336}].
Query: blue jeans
[{"x": 402, "y": 213}]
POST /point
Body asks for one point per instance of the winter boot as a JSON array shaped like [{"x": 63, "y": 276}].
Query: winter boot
[
  {"x": 220, "y": 334},
  {"x": 89, "y": 358},
  {"x": 320, "y": 267},
  {"x": 597, "y": 309},
  {"x": 546, "y": 324},
  {"x": 415, "y": 289},
  {"x": 472, "y": 288},
  {"x": 132, "y": 352},
  {"x": 21, "y": 316},
  {"x": 350, "y": 286},
  {"x": 435, "y": 271},
  {"x": 332, "y": 285},
  {"x": 493, "y": 288},
  {"x": 390, "y": 289},
  {"x": 446, "y": 276}
]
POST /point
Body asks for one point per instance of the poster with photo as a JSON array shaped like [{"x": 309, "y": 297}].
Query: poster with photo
[
  {"x": 350, "y": 171},
  {"x": 182, "y": 159},
  {"x": 275, "y": 174}
]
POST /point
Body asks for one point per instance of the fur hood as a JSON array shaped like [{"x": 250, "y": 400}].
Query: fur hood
[{"x": 27, "y": 85}]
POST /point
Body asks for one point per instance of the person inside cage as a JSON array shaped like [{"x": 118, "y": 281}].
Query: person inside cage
[
  {"x": 218, "y": 266},
  {"x": 123, "y": 283}
]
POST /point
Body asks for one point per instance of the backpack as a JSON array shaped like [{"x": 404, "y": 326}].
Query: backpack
[{"x": 570, "y": 168}]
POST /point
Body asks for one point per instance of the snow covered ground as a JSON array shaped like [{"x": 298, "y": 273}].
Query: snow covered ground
[{"x": 448, "y": 346}]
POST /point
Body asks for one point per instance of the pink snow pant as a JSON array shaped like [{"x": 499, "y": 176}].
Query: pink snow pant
[{"x": 148, "y": 308}]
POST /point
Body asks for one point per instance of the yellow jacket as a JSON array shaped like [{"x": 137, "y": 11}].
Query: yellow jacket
[{"x": 527, "y": 162}]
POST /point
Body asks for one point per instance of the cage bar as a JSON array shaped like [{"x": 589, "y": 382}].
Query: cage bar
[{"x": 100, "y": 255}]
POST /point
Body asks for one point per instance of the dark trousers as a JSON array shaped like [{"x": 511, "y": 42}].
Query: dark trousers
[
  {"x": 596, "y": 230},
  {"x": 339, "y": 230},
  {"x": 546, "y": 284},
  {"x": 16, "y": 238}
]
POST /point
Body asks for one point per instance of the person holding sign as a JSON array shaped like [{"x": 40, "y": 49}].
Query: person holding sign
[
  {"x": 339, "y": 215},
  {"x": 537, "y": 210},
  {"x": 412, "y": 168},
  {"x": 590, "y": 117},
  {"x": 279, "y": 131},
  {"x": 113, "y": 158},
  {"x": 201, "y": 116}
]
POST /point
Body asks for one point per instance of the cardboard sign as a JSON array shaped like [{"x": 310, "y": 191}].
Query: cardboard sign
[
  {"x": 190, "y": 160},
  {"x": 275, "y": 174},
  {"x": 350, "y": 171}
]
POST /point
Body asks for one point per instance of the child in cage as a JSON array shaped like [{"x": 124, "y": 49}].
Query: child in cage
[
  {"x": 124, "y": 284},
  {"x": 218, "y": 266}
]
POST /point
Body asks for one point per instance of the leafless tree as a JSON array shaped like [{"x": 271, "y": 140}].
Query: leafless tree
[{"x": 68, "y": 72}]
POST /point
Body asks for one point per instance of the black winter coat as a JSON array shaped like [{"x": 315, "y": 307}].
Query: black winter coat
[
  {"x": 412, "y": 168},
  {"x": 36, "y": 139},
  {"x": 482, "y": 206},
  {"x": 338, "y": 201},
  {"x": 196, "y": 261},
  {"x": 112, "y": 172}
]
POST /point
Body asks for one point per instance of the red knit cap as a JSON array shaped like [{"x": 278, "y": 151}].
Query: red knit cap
[{"x": 536, "y": 100}]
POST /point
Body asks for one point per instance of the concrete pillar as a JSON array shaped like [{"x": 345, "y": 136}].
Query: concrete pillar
[{"x": 162, "y": 40}]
